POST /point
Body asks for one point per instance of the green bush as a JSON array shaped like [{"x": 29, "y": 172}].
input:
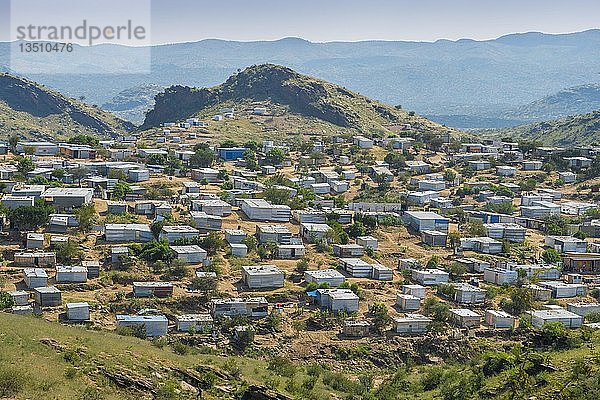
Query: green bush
[
  {"x": 281, "y": 366},
  {"x": 12, "y": 381}
]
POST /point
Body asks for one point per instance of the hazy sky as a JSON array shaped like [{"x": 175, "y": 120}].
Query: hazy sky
[{"x": 352, "y": 20}]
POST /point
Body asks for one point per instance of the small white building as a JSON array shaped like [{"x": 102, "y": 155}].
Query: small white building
[
  {"x": 337, "y": 300},
  {"x": 499, "y": 319},
  {"x": 262, "y": 210},
  {"x": 414, "y": 290},
  {"x": 329, "y": 276},
  {"x": 153, "y": 325},
  {"x": 262, "y": 276},
  {"x": 465, "y": 318},
  {"x": 367, "y": 242},
  {"x": 567, "y": 318},
  {"x": 35, "y": 277},
  {"x": 78, "y": 311},
  {"x": 35, "y": 240},
  {"x": 407, "y": 302},
  {"x": 430, "y": 277},
  {"x": 174, "y": 232},
  {"x": 194, "y": 322},
  {"x": 412, "y": 323},
  {"x": 468, "y": 294},
  {"x": 71, "y": 274},
  {"x": 356, "y": 267},
  {"x": 190, "y": 254},
  {"x": 583, "y": 309},
  {"x": 500, "y": 276},
  {"x": 426, "y": 220}
]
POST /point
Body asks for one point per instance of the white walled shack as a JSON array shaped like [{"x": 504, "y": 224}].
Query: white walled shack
[
  {"x": 206, "y": 222},
  {"x": 561, "y": 290},
  {"x": 356, "y": 328},
  {"x": 408, "y": 302},
  {"x": 48, "y": 296},
  {"x": 367, "y": 242},
  {"x": 235, "y": 236},
  {"x": 35, "y": 240},
  {"x": 190, "y": 254},
  {"x": 71, "y": 274},
  {"x": 434, "y": 238},
  {"x": 262, "y": 210},
  {"x": 382, "y": 273},
  {"x": 212, "y": 206},
  {"x": 412, "y": 323},
  {"x": 22, "y": 310},
  {"x": 262, "y": 276},
  {"x": 249, "y": 306},
  {"x": 336, "y": 300},
  {"x": 68, "y": 198},
  {"x": 566, "y": 244},
  {"x": 10, "y": 201},
  {"x": 35, "y": 277},
  {"x": 499, "y": 319},
  {"x": 583, "y": 309},
  {"x": 20, "y": 297},
  {"x": 500, "y": 276},
  {"x": 330, "y": 276},
  {"x": 508, "y": 231},
  {"x": 174, "y": 232},
  {"x": 93, "y": 268},
  {"x": 348, "y": 250},
  {"x": 117, "y": 252},
  {"x": 567, "y": 318},
  {"x": 273, "y": 233},
  {"x": 468, "y": 294},
  {"x": 312, "y": 232},
  {"x": 78, "y": 311},
  {"x": 356, "y": 267},
  {"x": 465, "y": 318},
  {"x": 153, "y": 325},
  {"x": 194, "y": 322},
  {"x": 238, "y": 249},
  {"x": 415, "y": 290},
  {"x": 430, "y": 277},
  {"x": 127, "y": 233},
  {"x": 34, "y": 259},
  {"x": 290, "y": 251},
  {"x": 156, "y": 289},
  {"x": 426, "y": 220}
]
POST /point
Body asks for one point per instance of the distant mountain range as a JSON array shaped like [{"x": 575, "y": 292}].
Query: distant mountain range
[
  {"x": 31, "y": 110},
  {"x": 464, "y": 82},
  {"x": 133, "y": 103}
]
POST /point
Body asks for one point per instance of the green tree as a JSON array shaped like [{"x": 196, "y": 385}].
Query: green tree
[
  {"x": 25, "y": 165},
  {"x": 68, "y": 253},
  {"x": 86, "y": 216},
  {"x": 29, "y": 218},
  {"x": 551, "y": 256},
  {"x": 275, "y": 156},
  {"x": 13, "y": 140},
  {"x": 79, "y": 173},
  {"x": 87, "y": 140},
  {"x": 203, "y": 156},
  {"x": 120, "y": 190},
  {"x": 381, "y": 319}
]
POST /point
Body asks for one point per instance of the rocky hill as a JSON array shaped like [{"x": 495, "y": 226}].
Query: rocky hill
[
  {"x": 571, "y": 101},
  {"x": 299, "y": 94},
  {"x": 568, "y": 131},
  {"x": 29, "y": 109}
]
